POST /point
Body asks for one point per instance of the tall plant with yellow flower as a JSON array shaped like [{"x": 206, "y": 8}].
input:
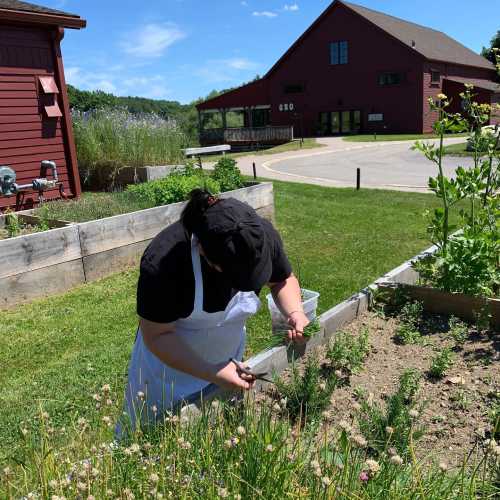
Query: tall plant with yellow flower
[{"x": 466, "y": 261}]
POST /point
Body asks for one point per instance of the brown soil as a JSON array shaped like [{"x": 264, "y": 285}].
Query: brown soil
[{"x": 456, "y": 407}]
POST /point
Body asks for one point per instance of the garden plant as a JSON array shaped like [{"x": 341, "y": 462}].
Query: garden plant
[{"x": 467, "y": 261}]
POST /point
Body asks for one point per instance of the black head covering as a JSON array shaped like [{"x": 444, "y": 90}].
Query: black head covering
[{"x": 233, "y": 237}]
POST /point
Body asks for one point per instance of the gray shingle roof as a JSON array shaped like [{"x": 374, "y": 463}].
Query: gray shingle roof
[
  {"x": 30, "y": 7},
  {"x": 480, "y": 84},
  {"x": 432, "y": 44}
]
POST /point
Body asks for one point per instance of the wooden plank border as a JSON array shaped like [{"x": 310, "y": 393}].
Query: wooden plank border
[{"x": 99, "y": 247}]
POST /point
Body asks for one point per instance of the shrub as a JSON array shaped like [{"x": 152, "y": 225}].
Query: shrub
[
  {"x": 393, "y": 424},
  {"x": 441, "y": 363},
  {"x": 172, "y": 189},
  {"x": 227, "y": 174},
  {"x": 347, "y": 352}
]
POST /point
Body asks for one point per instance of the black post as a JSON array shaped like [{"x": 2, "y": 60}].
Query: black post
[
  {"x": 254, "y": 171},
  {"x": 358, "y": 179}
]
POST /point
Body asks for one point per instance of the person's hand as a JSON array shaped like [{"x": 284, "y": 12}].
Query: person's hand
[
  {"x": 297, "y": 321},
  {"x": 228, "y": 377}
]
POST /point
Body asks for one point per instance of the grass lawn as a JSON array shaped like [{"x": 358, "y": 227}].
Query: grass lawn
[
  {"x": 308, "y": 143},
  {"x": 55, "y": 352},
  {"x": 394, "y": 137}
]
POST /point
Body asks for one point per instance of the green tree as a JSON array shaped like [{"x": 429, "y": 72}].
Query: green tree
[{"x": 495, "y": 43}]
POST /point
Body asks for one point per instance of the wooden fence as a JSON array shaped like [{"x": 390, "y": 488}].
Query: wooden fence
[{"x": 256, "y": 135}]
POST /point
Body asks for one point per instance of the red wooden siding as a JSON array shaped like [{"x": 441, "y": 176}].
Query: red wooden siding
[
  {"x": 433, "y": 89},
  {"x": 27, "y": 136}
]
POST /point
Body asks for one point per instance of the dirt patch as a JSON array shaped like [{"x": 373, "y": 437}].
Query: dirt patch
[{"x": 455, "y": 408}]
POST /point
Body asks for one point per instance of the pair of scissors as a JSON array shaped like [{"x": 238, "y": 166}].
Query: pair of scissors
[{"x": 256, "y": 376}]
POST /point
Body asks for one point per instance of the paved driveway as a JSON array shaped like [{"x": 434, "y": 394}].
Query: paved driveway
[{"x": 384, "y": 165}]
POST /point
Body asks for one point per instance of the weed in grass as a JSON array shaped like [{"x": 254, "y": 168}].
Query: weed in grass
[
  {"x": 458, "y": 331},
  {"x": 494, "y": 415},
  {"x": 394, "y": 424},
  {"x": 441, "y": 363},
  {"x": 306, "y": 395},
  {"x": 346, "y": 352}
]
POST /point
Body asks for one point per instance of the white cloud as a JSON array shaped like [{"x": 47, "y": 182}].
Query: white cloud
[
  {"x": 239, "y": 63},
  {"x": 291, "y": 8},
  {"x": 114, "y": 82},
  {"x": 244, "y": 3},
  {"x": 223, "y": 71},
  {"x": 152, "y": 40},
  {"x": 264, "y": 13}
]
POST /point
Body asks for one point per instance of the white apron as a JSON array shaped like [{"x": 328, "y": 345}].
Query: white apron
[{"x": 154, "y": 387}]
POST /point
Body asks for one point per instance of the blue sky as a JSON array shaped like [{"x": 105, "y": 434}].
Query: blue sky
[{"x": 182, "y": 49}]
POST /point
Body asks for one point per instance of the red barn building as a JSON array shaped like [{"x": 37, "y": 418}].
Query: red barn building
[
  {"x": 35, "y": 120},
  {"x": 353, "y": 70}
]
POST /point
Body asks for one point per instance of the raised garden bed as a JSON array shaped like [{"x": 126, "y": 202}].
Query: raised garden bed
[
  {"x": 52, "y": 261},
  {"x": 24, "y": 224}
]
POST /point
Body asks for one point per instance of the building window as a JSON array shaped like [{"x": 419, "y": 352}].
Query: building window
[
  {"x": 339, "y": 53},
  {"x": 435, "y": 76},
  {"x": 293, "y": 88},
  {"x": 390, "y": 78}
]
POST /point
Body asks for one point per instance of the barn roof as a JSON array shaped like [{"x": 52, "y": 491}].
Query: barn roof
[
  {"x": 480, "y": 84},
  {"x": 432, "y": 44},
  {"x": 25, "y": 11}
]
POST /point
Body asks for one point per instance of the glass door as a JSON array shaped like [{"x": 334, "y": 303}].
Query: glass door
[
  {"x": 356, "y": 121},
  {"x": 335, "y": 118},
  {"x": 346, "y": 122}
]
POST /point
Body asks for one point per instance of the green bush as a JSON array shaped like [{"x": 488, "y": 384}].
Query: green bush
[
  {"x": 227, "y": 174},
  {"x": 173, "y": 188},
  {"x": 441, "y": 363}
]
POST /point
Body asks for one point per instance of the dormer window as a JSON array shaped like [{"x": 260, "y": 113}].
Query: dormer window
[{"x": 339, "y": 53}]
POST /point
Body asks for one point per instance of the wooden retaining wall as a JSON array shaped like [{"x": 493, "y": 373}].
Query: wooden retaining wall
[{"x": 54, "y": 261}]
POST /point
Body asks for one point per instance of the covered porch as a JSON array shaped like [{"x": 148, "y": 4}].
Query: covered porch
[{"x": 241, "y": 127}]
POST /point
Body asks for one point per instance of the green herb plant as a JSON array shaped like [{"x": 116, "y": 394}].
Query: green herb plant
[
  {"x": 227, "y": 174},
  {"x": 395, "y": 422},
  {"x": 441, "y": 363},
  {"x": 347, "y": 352},
  {"x": 306, "y": 395},
  {"x": 410, "y": 318},
  {"x": 458, "y": 331}
]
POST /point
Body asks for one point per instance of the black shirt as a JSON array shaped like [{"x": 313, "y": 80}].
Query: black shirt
[{"x": 166, "y": 287}]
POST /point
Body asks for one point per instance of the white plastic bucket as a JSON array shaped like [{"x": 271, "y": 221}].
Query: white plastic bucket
[{"x": 309, "y": 304}]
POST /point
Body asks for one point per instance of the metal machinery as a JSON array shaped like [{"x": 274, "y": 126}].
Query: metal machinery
[{"x": 9, "y": 187}]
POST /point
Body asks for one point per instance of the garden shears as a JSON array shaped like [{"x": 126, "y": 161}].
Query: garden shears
[{"x": 256, "y": 376}]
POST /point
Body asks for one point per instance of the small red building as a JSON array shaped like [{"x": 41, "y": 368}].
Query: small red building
[
  {"x": 353, "y": 70},
  {"x": 35, "y": 120}
]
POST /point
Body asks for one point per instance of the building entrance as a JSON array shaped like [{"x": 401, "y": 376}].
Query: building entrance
[{"x": 339, "y": 122}]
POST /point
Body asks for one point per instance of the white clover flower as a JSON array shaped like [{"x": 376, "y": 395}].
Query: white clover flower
[
  {"x": 396, "y": 460},
  {"x": 389, "y": 430},
  {"x": 241, "y": 430},
  {"x": 315, "y": 464},
  {"x": 372, "y": 465},
  {"x": 326, "y": 481},
  {"x": 322, "y": 386},
  {"x": 140, "y": 395},
  {"x": 222, "y": 492},
  {"x": 443, "y": 466},
  {"x": 269, "y": 448},
  {"x": 53, "y": 483},
  {"x": 135, "y": 448},
  {"x": 80, "y": 486},
  {"x": 413, "y": 413},
  {"x": 106, "y": 388},
  {"x": 359, "y": 441},
  {"x": 154, "y": 478}
]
